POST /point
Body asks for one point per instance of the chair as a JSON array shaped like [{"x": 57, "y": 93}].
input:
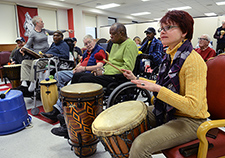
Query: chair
[{"x": 216, "y": 107}]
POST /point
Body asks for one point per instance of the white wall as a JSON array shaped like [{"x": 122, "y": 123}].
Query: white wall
[{"x": 8, "y": 24}]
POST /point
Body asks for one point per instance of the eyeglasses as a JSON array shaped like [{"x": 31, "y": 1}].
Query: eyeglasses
[
  {"x": 200, "y": 39},
  {"x": 87, "y": 43},
  {"x": 166, "y": 28}
]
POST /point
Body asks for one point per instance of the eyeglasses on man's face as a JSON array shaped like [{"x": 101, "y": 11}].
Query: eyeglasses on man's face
[
  {"x": 166, "y": 28},
  {"x": 201, "y": 39},
  {"x": 87, "y": 43}
]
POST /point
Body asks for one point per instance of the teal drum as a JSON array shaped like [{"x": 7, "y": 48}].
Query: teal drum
[{"x": 13, "y": 112}]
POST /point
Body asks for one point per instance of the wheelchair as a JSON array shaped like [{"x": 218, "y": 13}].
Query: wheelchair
[
  {"x": 129, "y": 91},
  {"x": 54, "y": 64}
]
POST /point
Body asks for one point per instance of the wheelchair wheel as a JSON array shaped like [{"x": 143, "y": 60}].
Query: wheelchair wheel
[{"x": 128, "y": 91}]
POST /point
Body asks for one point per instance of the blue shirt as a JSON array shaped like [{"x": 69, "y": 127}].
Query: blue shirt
[
  {"x": 155, "y": 49},
  {"x": 60, "y": 50}
]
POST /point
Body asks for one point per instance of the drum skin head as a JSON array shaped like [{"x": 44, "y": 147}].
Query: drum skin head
[
  {"x": 80, "y": 90},
  {"x": 119, "y": 118}
]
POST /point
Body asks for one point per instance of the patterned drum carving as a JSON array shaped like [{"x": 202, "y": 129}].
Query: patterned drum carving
[{"x": 82, "y": 102}]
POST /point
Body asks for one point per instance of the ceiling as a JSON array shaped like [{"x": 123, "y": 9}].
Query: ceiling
[{"x": 157, "y": 8}]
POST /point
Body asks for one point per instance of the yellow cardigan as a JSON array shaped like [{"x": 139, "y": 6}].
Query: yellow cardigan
[{"x": 191, "y": 102}]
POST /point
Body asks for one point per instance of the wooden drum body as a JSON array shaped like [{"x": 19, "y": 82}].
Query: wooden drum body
[
  {"x": 119, "y": 125},
  {"x": 12, "y": 72},
  {"x": 82, "y": 102},
  {"x": 49, "y": 94}
]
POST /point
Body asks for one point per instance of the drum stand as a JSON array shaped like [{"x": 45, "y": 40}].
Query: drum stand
[
  {"x": 80, "y": 146},
  {"x": 35, "y": 110}
]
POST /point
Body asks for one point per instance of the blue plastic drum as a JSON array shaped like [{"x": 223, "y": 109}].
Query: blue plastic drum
[{"x": 13, "y": 113}]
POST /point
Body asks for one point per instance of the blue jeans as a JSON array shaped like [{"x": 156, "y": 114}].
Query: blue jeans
[{"x": 63, "y": 78}]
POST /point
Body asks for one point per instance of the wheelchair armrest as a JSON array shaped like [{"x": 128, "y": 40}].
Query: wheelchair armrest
[{"x": 201, "y": 133}]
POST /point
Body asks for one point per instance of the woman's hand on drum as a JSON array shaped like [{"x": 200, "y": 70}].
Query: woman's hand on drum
[
  {"x": 129, "y": 74},
  {"x": 147, "y": 85}
]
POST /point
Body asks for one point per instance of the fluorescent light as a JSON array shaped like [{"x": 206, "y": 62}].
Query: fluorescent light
[
  {"x": 181, "y": 8},
  {"x": 145, "y": 0},
  {"x": 141, "y": 13},
  {"x": 210, "y": 14},
  {"x": 220, "y": 3},
  {"x": 106, "y": 6}
]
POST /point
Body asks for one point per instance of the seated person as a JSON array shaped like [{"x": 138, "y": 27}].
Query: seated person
[
  {"x": 180, "y": 104},
  {"x": 58, "y": 48},
  {"x": 20, "y": 43},
  {"x": 87, "y": 65},
  {"x": 123, "y": 54},
  {"x": 204, "y": 50},
  {"x": 77, "y": 50},
  {"x": 152, "y": 47},
  {"x": 137, "y": 40}
]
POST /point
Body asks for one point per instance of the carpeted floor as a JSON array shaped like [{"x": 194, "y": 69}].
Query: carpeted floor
[
  {"x": 4, "y": 87},
  {"x": 39, "y": 116}
]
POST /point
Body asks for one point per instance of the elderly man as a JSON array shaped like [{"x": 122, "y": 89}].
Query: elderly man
[
  {"x": 204, "y": 50},
  {"x": 88, "y": 63},
  {"x": 219, "y": 35},
  {"x": 20, "y": 41},
  {"x": 16, "y": 57},
  {"x": 152, "y": 47},
  {"x": 58, "y": 48}
]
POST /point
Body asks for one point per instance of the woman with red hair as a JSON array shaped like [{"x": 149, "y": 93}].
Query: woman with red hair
[{"x": 180, "y": 104}]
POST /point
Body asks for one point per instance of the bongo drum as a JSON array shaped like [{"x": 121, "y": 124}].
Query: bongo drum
[
  {"x": 82, "y": 102},
  {"x": 49, "y": 94},
  {"x": 12, "y": 72},
  {"x": 119, "y": 125}
]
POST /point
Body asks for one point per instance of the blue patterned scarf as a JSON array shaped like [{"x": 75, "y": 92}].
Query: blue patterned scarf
[{"x": 169, "y": 78}]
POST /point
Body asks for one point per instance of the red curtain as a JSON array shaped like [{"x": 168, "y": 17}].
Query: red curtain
[{"x": 25, "y": 15}]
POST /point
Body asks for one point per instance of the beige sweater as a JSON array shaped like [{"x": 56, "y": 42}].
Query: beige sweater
[{"x": 191, "y": 101}]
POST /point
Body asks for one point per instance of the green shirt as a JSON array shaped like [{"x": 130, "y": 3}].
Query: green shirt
[{"x": 122, "y": 56}]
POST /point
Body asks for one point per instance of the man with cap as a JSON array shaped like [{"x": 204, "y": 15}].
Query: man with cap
[
  {"x": 20, "y": 43},
  {"x": 152, "y": 47}
]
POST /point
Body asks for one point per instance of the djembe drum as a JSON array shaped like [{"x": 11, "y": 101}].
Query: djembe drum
[
  {"x": 119, "y": 125},
  {"x": 12, "y": 72},
  {"x": 82, "y": 102},
  {"x": 49, "y": 94}
]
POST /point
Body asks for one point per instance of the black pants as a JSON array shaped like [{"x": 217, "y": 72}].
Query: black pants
[
  {"x": 220, "y": 46},
  {"x": 103, "y": 80}
]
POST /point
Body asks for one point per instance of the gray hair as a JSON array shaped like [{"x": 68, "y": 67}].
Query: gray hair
[
  {"x": 89, "y": 37},
  {"x": 207, "y": 36},
  {"x": 36, "y": 19}
]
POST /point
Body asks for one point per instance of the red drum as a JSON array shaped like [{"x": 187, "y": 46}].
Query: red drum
[
  {"x": 12, "y": 72},
  {"x": 119, "y": 125},
  {"x": 82, "y": 102}
]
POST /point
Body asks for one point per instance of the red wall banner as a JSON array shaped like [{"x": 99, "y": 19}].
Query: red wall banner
[
  {"x": 25, "y": 15},
  {"x": 70, "y": 22}
]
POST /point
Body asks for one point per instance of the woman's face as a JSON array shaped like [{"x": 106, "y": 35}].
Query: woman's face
[{"x": 171, "y": 35}]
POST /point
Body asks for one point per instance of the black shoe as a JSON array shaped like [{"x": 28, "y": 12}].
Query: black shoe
[
  {"x": 52, "y": 115},
  {"x": 25, "y": 91},
  {"x": 61, "y": 119},
  {"x": 60, "y": 131}
]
